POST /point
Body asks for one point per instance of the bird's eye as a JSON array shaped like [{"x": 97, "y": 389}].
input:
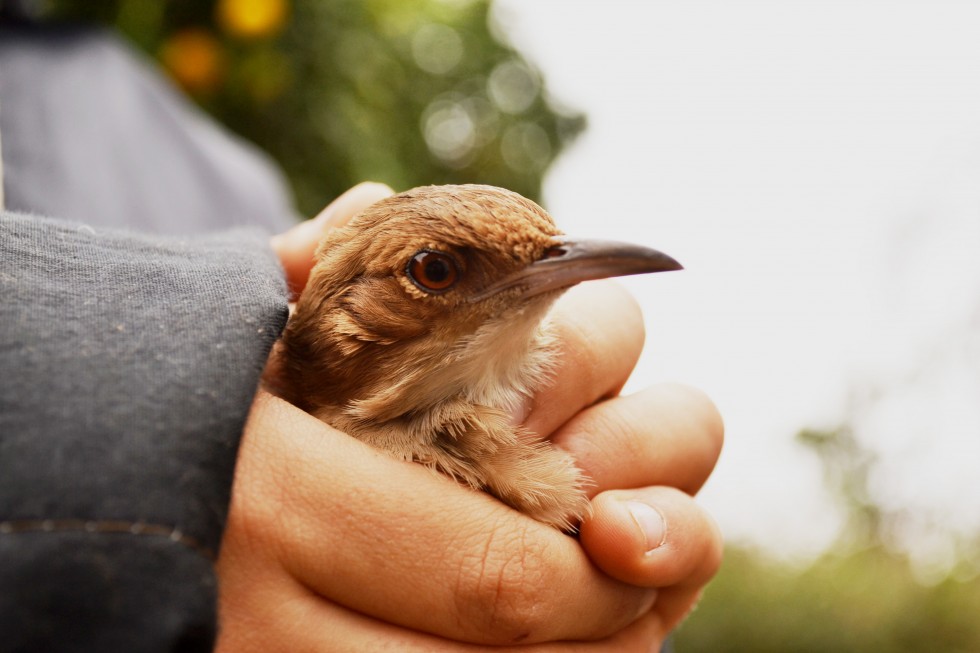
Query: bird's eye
[{"x": 433, "y": 272}]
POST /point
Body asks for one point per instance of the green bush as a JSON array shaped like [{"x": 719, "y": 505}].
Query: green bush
[
  {"x": 406, "y": 92},
  {"x": 868, "y": 601}
]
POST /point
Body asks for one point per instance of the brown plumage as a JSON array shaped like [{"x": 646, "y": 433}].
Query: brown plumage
[{"x": 421, "y": 331}]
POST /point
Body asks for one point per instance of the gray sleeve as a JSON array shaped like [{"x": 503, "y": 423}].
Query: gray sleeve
[{"x": 127, "y": 368}]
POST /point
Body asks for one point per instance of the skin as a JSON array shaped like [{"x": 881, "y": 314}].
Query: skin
[{"x": 334, "y": 546}]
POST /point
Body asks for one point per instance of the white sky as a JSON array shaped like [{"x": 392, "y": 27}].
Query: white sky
[{"x": 815, "y": 165}]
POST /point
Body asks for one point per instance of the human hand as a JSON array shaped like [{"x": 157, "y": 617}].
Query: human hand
[
  {"x": 331, "y": 545},
  {"x": 296, "y": 247},
  {"x": 647, "y": 453}
]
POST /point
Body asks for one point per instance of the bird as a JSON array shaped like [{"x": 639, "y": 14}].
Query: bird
[{"x": 424, "y": 327}]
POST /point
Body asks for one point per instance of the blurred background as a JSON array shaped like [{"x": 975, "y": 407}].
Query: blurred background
[{"x": 815, "y": 166}]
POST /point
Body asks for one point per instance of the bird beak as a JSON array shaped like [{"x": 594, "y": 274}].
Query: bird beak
[{"x": 573, "y": 261}]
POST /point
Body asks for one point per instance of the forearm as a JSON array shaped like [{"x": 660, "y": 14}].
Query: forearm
[{"x": 129, "y": 365}]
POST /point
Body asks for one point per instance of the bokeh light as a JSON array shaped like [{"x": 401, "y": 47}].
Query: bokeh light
[
  {"x": 437, "y": 48},
  {"x": 513, "y": 86},
  {"x": 450, "y": 131},
  {"x": 195, "y": 58},
  {"x": 526, "y": 147},
  {"x": 252, "y": 19}
]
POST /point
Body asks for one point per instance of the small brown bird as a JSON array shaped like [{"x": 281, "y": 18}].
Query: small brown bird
[{"x": 422, "y": 330}]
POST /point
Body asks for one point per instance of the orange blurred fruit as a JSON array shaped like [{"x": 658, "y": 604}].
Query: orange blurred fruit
[
  {"x": 252, "y": 18},
  {"x": 195, "y": 58}
]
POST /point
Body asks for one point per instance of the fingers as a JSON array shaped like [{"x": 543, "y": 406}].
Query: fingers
[
  {"x": 600, "y": 336},
  {"x": 296, "y": 247},
  {"x": 399, "y": 543},
  {"x": 665, "y": 435},
  {"x": 283, "y": 616},
  {"x": 657, "y": 537},
  {"x": 668, "y": 436}
]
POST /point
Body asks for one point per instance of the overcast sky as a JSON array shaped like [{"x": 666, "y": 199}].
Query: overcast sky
[{"x": 816, "y": 167}]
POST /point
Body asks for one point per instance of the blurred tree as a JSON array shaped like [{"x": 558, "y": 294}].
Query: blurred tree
[
  {"x": 861, "y": 596},
  {"x": 407, "y": 92},
  {"x": 864, "y": 601},
  {"x": 847, "y": 465}
]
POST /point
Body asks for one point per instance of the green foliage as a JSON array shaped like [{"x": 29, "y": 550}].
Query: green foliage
[
  {"x": 847, "y": 465},
  {"x": 862, "y": 597},
  {"x": 865, "y": 601},
  {"x": 406, "y": 92}
]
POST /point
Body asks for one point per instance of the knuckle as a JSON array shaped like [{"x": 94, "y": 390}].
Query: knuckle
[
  {"x": 621, "y": 309},
  {"x": 707, "y": 419},
  {"x": 602, "y": 328},
  {"x": 501, "y": 595},
  {"x": 577, "y": 355},
  {"x": 714, "y": 549},
  {"x": 703, "y": 546},
  {"x": 626, "y": 430}
]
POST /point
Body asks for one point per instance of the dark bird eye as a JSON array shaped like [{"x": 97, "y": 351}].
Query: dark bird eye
[{"x": 433, "y": 272}]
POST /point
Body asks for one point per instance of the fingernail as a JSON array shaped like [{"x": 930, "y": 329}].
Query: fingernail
[
  {"x": 323, "y": 216},
  {"x": 295, "y": 237},
  {"x": 375, "y": 188},
  {"x": 652, "y": 524}
]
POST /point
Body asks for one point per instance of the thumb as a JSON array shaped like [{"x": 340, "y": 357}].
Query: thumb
[
  {"x": 654, "y": 537},
  {"x": 296, "y": 247}
]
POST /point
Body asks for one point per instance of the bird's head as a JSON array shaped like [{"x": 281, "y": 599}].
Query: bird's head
[{"x": 418, "y": 273}]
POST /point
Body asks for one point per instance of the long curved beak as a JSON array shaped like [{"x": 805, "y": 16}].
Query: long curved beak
[{"x": 574, "y": 261}]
